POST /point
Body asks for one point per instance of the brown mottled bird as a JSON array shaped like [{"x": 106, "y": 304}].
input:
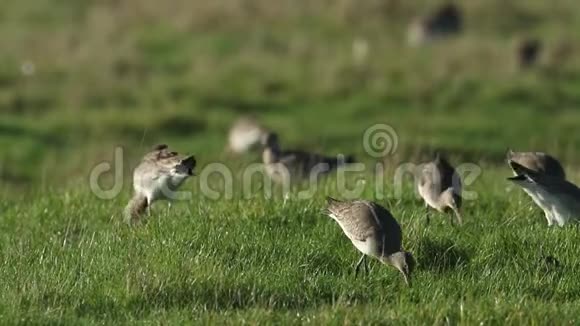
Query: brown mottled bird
[
  {"x": 291, "y": 166},
  {"x": 373, "y": 231},
  {"x": 558, "y": 198},
  {"x": 440, "y": 186},
  {"x": 157, "y": 177}
]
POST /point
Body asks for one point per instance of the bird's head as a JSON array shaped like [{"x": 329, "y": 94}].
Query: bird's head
[
  {"x": 404, "y": 262},
  {"x": 333, "y": 206},
  {"x": 186, "y": 166},
  {"x": 270, "y": 139}
]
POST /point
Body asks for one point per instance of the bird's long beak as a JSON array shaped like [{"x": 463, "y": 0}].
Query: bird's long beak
[
  {"x": 407, "y": 279},
  {"x": 458, "y": 215}
]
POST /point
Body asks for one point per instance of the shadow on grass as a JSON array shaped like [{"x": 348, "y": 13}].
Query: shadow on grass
[
  {"x": 218, "y": 297},
  {"x": 551, "y": 294},
  {"x": 204, "y": 295},
  {"x": 440, "y": 255}
]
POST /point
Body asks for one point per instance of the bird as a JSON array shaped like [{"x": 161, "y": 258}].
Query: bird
[
  {"x": 528, "y": 51},
  {"x": 374, "y": 232},
  {"x": 440, "y": 186},
  {"x": 558, "y": 198},
  {"x": 245, "y": 135},
  {"x": 536, "y": 161},
  {"x": 286, "y": 167},
  {"x": 159, "y": 174},
  {"x": 444, "y": 22}
]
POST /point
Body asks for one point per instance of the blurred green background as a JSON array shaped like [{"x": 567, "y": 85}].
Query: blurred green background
[{"x": 78, "y": 78}]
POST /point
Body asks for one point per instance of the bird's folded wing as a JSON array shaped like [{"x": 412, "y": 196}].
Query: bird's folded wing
[
  {"x": 363, "y": 226},
  {"x": 358, "y": 230}
]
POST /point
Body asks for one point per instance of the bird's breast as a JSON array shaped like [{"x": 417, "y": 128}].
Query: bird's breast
[{"x": 367, "y": 247}]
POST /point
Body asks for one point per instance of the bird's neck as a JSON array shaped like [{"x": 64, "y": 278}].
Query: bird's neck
[{"x": 270, "y": 155}]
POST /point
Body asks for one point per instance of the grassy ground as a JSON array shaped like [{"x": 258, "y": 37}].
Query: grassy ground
[
  {"x": 133, "y": 74},
  {"x": 68, "y": 258}
]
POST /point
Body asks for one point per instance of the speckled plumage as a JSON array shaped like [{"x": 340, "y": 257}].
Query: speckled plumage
[
  {"x": 373, "y": 231},
  {"x": 440, "y": 186},
  {"x": 157, "y": 177}
]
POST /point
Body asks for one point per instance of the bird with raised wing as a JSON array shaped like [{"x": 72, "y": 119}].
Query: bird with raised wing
[
  {"x": 158, "y": 176},
  {"x": 440, "y": 186},
  {"x": 538, "y": 162},
  {"x": 558, "y": 198},
  {"x": 374, "y": 232}
]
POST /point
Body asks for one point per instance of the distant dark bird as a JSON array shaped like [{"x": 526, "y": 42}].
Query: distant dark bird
[
  {"x": 440, "y": 186},
  {"x": 373, "y": 231},
  {"x": 159, "y": 173},
  {"x": 444, "y": 22},
  {"x": 528, "y": 52},
  {"x": 288, "y": 167},
  {"x": 558, "y": 198}
]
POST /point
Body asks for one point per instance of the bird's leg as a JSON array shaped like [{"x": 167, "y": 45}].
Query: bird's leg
[
  {"x": 427, "y": 214},
  {"x": 286, "y": 198},
  {"x": 366, "y": 263},
  {"x": 356, "y": 269},
  {"x": 148, "y": 208},
  {"x": 452, "y": 219},
  {"x": 549, "y": 217}
]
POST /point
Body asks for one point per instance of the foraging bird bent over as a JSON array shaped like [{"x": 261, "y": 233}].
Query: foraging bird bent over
[
  {"x": 558, "y": 198},
  {"x": 291, "y": 166},
  {"x": 538, "y": 162},
  {"x": 245, "y": 135},
  {"x": 373, "y": 231},
  {"x": 440, "y": 186},
  {"x": 157, "y": 177}
]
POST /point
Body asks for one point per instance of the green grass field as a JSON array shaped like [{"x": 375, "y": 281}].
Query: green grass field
[{"x": 80, "y": 78}]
